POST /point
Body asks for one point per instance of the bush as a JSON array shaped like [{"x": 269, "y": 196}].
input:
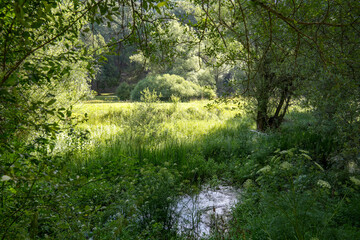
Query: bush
[
  {"x": 171, "y": 85},
  {"x": 292, "y": 197},
  {"x": 124, "y": 90},
  {"x": 208, "y": 93}
]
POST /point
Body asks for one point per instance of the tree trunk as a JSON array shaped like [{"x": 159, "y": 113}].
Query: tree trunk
[
  {"x": 262, "y": 111},
  {"x": 264, "y": 120},
  {"x": 278, "y": 117}
]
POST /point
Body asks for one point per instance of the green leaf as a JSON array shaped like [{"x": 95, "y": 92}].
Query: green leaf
[
  {"x": 157, "y": 10},
  {"x": 109, "y": 17},
  {"x": 12, "y": 190},
  {"x": 68, "y": 113},
  {"x": 306, "y": 156},
  {"x": 161, "y": 4},
  {"x": 103, "y": 9},
  {"x": 355, "y": 180},
  {"x": 37, "y": 24},
  {"x": 51, "y": 102},
  {"x": 320, "y": 167},
  {"x": 145, "y": 5}
]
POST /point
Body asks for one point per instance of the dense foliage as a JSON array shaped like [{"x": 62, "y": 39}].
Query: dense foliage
[
  {"x": 118, "y": 171},
  {"x": 45, "y": 68},
  {"x": 123, "y": 91},
  {"x": 171, "y": 85},
  {"x": 174, "y": 53},
  {"x": 281, "y": 46}
]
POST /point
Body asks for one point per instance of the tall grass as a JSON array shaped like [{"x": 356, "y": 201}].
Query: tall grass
[
  {"x": 140, "y": 157},
  {"x": 130, "y": 162}
]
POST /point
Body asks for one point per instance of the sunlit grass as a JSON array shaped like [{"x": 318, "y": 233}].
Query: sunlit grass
[
  {"x": 187, "y": 120},
  {"x": 146, "y": 155},
  {"x": 128, "y": 125},
  {"x": 104, "y": 98}
]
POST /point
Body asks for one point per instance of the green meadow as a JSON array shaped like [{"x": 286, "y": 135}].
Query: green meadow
[
  {"x": 179, "y": 119},
  {"x": 126, "y": 165},
  {"x": 119, "y": 169},
  {"x": 143, "y": 156}
]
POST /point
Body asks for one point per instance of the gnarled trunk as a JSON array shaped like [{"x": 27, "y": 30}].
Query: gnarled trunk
[{"x": 264, "y": 119}]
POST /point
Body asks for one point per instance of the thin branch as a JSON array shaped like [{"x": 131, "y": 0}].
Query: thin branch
[
  {"x": 289, "y": 22},
  {"x": 281, "y": 16},
  {"x": 214, "y": 24},
  {"x": 247, "y": 43},
  {"x": 16, "y": 66}
]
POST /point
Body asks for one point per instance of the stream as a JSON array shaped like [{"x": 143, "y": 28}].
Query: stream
[{"x": 208, "y": 210}]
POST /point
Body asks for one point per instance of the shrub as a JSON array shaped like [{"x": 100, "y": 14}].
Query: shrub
[
  {"x": 171, "y": 85},
  {"x": 123, "y": 91},
  {"x": 208, "y": 93},
  {"x": 292, "y": 197}
]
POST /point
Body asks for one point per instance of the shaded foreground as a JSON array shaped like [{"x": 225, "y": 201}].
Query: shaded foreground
[{"x": 122, "y": 174}]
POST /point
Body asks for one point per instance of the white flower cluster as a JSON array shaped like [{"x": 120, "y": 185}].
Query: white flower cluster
[
  {"x": 323, "y": 184},
  {"x": 5, "y": 178},
  {"x": 286, "y": 165}
]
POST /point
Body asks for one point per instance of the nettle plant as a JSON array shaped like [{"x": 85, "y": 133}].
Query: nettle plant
[
  {"x": 288, "y": 168},
  {"x": 291, "y": 196}
]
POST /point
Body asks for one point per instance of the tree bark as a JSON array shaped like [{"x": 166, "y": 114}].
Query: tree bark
[{"x": 262, "y": 111}]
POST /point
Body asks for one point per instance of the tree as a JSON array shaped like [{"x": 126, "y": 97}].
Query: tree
[
  {"x": 32, "y": 29},
  {"x": 40, "y": 57},
  {"x": 281, "y": 43},
  {"x": 174, "y": 52},
  {"x": 114, "y": 63},
  {"x": 278, "y": 45}
]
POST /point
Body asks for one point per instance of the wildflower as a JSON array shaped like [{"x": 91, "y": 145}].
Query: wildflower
[
  {"x": 355, "y": 181},
  {"x": 323, "y": 184},
  {"x": 286, "y": 165},
  {"x": 5, "y": 178}
]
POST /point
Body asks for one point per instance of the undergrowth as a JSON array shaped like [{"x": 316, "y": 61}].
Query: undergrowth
[{"x": 121, "y": 173}]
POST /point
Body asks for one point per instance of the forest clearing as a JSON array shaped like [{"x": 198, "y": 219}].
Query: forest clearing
[{"x": 180, "y": 119}]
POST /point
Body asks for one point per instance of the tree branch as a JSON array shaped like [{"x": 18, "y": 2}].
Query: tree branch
[
  {"x": 281, "y": 16},
  {"x": 19, "y": 62}
]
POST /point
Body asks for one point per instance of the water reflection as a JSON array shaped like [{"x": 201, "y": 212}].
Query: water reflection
[{"x": 208, "y": 210}]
